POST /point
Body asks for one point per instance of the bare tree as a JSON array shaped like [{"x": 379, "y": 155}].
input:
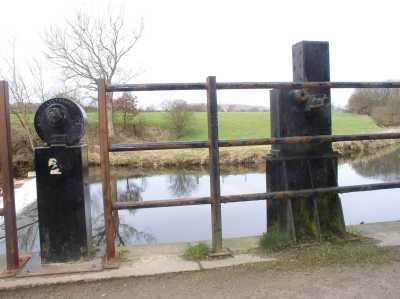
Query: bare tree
[
  {"x": 39, "y": 86},
  {"x": 21, "y": 92},
  {"x": 88, "y": 48}
]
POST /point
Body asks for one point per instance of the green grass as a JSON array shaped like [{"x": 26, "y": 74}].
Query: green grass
[
  {"x": 274, "y": 240},
  {"x": 196, "y": 252},
  {"x": 235, "y": 125},
  {"x": 348, "y": 123}
]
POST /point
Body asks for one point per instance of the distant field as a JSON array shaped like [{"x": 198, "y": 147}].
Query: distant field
[
  {"x": 247, "y": 124},
  {"x": 241, "y": 124}
]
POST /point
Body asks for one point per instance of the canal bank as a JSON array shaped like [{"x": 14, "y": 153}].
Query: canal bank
[{"x": 228, "y": 156}]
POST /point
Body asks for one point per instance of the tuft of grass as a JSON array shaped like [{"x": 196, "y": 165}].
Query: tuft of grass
[
  {"x": 274, "y": 240},
  {"x": 197, "y": 252},
  {"x": 123, "y": 254}
]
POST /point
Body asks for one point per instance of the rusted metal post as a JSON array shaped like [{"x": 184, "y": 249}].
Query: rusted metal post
[
  {"x": 215, "y": 189},
  {"x": 8, "y": 180},
  {"x": 105, "y": 171}
]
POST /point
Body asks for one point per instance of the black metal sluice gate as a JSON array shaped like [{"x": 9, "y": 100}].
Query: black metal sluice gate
[{"x": 61, "y": 178}]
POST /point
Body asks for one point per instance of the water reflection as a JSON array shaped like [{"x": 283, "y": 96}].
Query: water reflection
[
  {"x": 182, "y": 183},
  {"x": 28, "y": 234},
  {"x": 125, "y": 189},
  {"x": 386, "y": 168},
  {"x": 239, "y": 219},
  {"x": 129, "y": 189}
]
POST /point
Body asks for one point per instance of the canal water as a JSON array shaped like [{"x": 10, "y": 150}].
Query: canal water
[{"x": 191, "y": 223}]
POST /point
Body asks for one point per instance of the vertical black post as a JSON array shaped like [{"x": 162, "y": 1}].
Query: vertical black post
[
  {"x": 304, "y": 166},
  {"x": 215, "y": 191}
]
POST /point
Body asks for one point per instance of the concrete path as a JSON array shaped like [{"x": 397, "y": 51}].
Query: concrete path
[
  {"x": 150, "y": 260},
  {"x": 139, "y": 261},
  {"x": 254, "y": 281},
  {"x": 387, "y": 233}
]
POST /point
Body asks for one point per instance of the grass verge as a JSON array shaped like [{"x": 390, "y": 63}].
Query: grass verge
[{"x": 330, "y": 254}]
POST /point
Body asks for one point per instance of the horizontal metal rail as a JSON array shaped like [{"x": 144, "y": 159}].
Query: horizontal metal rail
[
  {"x": 248, "y": 142},
  {"x": 250, "y": 85},
  {"x": 255, "y": 196}
]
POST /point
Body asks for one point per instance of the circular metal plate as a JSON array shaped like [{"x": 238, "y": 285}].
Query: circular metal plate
[{"x": 60, "y": 121}]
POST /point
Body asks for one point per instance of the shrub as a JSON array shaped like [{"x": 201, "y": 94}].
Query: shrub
[{"x": 179, "y": 117}]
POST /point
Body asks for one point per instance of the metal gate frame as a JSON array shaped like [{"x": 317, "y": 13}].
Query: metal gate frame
[{"x": 215, "y": 199}]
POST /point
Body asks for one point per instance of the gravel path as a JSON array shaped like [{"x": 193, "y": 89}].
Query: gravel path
[{"x": 254, "y": 281}]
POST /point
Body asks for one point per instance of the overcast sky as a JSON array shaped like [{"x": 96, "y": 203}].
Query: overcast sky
[{"x": 185, "y": 41}]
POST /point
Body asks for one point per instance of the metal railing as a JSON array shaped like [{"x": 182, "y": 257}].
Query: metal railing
[
  {"x": 213, "y": 143},
  {"x": 7, "y": 180}
]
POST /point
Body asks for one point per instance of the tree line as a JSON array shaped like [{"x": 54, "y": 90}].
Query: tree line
[{"x": 381, "y": 104}]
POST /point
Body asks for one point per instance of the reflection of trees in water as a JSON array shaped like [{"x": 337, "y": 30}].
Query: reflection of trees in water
[
  {"x": 28, "y": 229},
  {"x": 182, "y": 184},
  {"x": 127, "y": 189},
  {"x": 386, "y": 167},
  {"x": 122, "y": 235},
  {"x": 27, "y": 219}
]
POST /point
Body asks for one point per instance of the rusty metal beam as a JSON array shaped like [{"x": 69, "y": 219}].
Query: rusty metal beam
[
  {"x": 213, "y": 149},
  {"x": 291, "y": 194},
  {"x": 156, "y": 86},
  {"x": 158, "y": 146},
  {"x": 8, "y": 180},
  {"x": 250, "y": 85},
  {"x": 127, "y": 205},
  {"x": 306, "y": 85},
  {"x": 249, "y": 142},
  {"x": 105, "y": 171}
]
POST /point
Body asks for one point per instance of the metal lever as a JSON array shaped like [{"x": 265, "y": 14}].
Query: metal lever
[{"x": 311, "y": 101}]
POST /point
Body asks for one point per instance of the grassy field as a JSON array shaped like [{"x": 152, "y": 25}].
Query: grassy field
[
  {"x": 241, "y": 124},
  {"x": 249, "y": 124},
  {"x": 232, "y": 125}
]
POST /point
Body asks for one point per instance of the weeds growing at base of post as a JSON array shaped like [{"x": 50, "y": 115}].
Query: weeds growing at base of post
[
  {"x": 196, "y": 252},
  {"x": 274, "y": 240}
]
